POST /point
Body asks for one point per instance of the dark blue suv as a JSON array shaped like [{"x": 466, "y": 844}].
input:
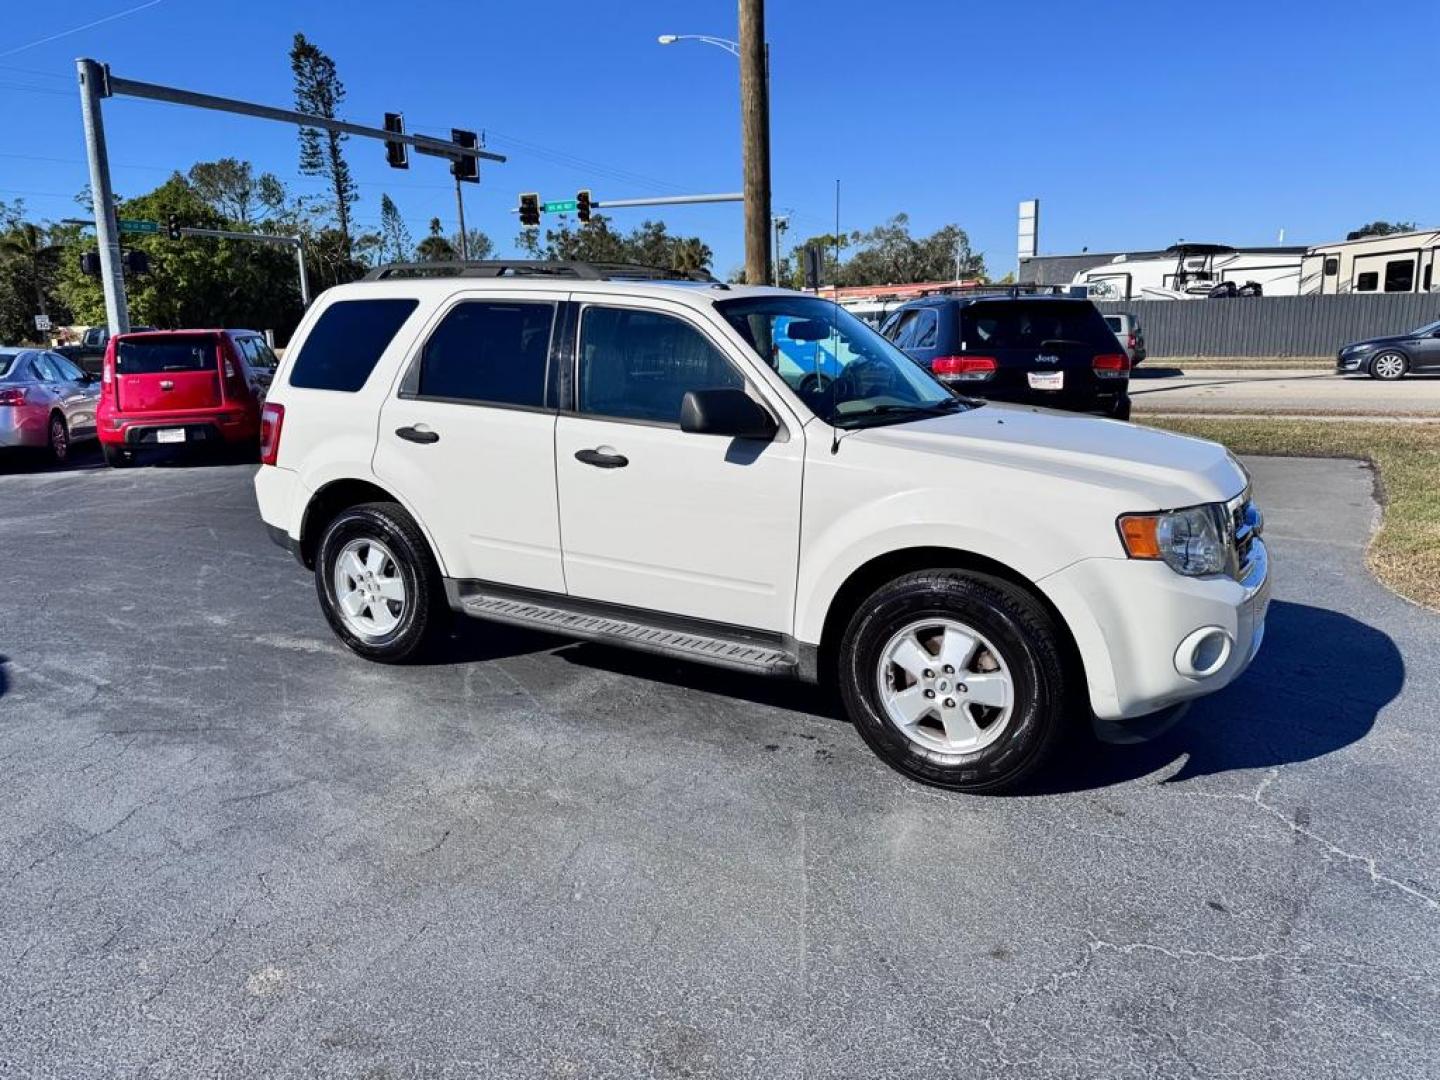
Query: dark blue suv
[{"x": 1035, "y": 350}]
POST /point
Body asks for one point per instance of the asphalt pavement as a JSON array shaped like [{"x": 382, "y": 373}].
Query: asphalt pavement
[
  {"x": 1156, "y": 387},
  {"x": 230, "y": 848}
]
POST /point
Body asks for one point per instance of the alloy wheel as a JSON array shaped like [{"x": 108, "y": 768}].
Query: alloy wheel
[
  {"x": 59, "y": 439},
  {"x": 1390, "y": 365},
  {"x": 369, "y": 589},
  {"x": 945, "y": 687}
]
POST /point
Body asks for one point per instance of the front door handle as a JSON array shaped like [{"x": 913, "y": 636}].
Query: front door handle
[
  {"x": 418, "y": 434},
  {"x": 602, "y": 458}
]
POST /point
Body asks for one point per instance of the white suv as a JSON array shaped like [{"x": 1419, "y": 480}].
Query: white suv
[{"x": 754, "y": 478}]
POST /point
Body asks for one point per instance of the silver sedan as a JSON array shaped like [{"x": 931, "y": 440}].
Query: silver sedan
[{"x": 45, "y": 401}]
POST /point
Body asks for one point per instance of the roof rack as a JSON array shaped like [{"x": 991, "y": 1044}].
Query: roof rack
[{"x": 492, "y": 268}]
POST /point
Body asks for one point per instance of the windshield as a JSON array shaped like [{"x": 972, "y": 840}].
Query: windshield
[
  {"x": 844, "y": 372},
  {"x": 1427, "y": 329}
]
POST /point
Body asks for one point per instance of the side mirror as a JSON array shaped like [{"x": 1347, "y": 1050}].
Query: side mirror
[{"x": 725, "y": 412}]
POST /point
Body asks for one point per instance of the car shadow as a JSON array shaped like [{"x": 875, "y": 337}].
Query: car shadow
[
  {"x": 471, "y": 641},
  {"x": 4, "y": 679},
  {"x": 1317, "y": 685},
  {"x": 84, "y": 456},
  {"x": 782, "y": 693}
]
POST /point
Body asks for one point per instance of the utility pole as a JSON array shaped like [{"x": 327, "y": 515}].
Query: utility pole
[
  {"x": 755, "y": 135},
  {"x": 107, "y": 229}
]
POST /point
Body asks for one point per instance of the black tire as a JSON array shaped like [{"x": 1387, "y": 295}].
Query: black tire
[
  {"x": 1393, "y": 372},
  {"x": 117, "y": 457},
  {"x": 59, "y": 439},
  {"x": 1120, "y": 409},
  {"x": 423, "y": 617},
  {"x": 1023, "y": 634}
]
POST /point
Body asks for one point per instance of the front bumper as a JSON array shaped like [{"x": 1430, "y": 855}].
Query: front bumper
[
  {"x": 1137, "y": 625},
  {"x": 1347, "y": 363}
]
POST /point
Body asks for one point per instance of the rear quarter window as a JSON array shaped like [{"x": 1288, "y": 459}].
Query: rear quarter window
[
  {"x": 6, "y": 363},
  {"x": 346, "y": 342}
]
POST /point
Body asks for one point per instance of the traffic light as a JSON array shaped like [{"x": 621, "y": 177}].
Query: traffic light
[
  {"x": 397, "y": 154},
  {"x": 467, "y": 167},
  {"x": 90, "y": 263},
  {"x": 172, "y": 227},
  {"x": 135, "y": 261},
  {"x": 530, "y": 208},
  {"x": 582, "y": 205}
]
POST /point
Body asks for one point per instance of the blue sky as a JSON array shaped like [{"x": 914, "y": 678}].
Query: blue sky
[{"x": 1135, "y": 124}]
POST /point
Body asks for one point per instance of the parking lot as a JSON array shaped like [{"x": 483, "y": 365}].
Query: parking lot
[{"x": 233, "y": 848}]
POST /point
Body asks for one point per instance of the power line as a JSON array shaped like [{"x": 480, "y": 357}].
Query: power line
[{"x": 77, "y": 29}]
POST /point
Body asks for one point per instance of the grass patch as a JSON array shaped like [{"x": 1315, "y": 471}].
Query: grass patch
[
  {"x": 1241, "y": 363},
  {"x": 1405, "y": 553}
]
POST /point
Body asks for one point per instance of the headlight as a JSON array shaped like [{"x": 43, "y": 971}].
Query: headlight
[
  {"x": 1355, "y": 350},
  {"x": 1190, "y": 542}
]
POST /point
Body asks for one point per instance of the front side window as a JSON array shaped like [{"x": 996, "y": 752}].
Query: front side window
[
  {"x": 346, "y": 343},
  {"x": 840, "y": 368},
  {"x": 638, "y": 365},
  {"x": 491, "y": 351}
]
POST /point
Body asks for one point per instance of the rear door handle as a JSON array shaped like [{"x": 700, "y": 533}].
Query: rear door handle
[
  {"x": 418, "y": 434},
  {"x": 602, "y": 459}
]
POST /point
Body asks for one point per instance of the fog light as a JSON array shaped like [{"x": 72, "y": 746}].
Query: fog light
[{"x": 1203, "y": 653}]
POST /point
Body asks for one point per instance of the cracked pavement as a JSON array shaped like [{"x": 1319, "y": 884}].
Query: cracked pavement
[{"x": 228, "y": 847}]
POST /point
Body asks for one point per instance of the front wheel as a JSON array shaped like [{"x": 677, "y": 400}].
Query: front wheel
[
  {"x": 1389, "y": 366},
  {"x": 378, "y": 583},
  {"x": 955, "y": 679}
]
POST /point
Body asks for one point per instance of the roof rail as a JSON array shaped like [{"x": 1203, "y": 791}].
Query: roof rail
[{"x": 491, "y": 268}]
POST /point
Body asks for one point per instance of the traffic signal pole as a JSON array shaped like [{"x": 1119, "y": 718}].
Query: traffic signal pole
[
  {"x": 107, "y": 229},
  {"x": 96, "y": 83}
]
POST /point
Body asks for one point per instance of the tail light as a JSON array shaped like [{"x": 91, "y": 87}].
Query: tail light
[
  {"x": 1111, "y": 366},
  {"x": 964, "y": 368},
  {"x": 272, "y": 419},
  {"x": 14, "y": 395},
  {"x": 234, "y": 378}
]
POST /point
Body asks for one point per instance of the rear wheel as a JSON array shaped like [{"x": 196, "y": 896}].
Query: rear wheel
[
  {"x": 117, "y": 457},
  {"x": 1120, "y": 409},
  {"x": 1389, "y": 366},
  {"x": 955, "y": 679},
  {"x": 378, "y": 583},
  {"x": 59, "y": 439}
]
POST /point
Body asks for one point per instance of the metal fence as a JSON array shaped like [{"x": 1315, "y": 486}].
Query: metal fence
[{"x": 1273, "y": 325}]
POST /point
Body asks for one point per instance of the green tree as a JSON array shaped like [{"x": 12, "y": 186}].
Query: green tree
[
  {"x": 319, "y": 91},
  {"x": 196, "y": 281},
  {"x": 477, "y": 244},
  {"x": 231, "y": 187},
  {"x": 648, "y": 244},
  {"x": 29, "y": 267},
  {"x": 1381, "y": 228},
  {"x": 395, "y": 243},
  {"x": 889, "y": 255},
  {"x": 435, "y": 248}
]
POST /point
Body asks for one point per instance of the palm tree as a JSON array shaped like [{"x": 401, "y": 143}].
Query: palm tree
[
  {"x": 28, "y": 245},
  {"x": 690, "y": 254},
  {"x": 434, "y": 248}
]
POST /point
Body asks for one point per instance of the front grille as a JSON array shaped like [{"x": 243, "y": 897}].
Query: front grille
[{"x": 1246, "y": 525}]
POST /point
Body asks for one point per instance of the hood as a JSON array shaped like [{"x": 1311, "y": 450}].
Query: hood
[
  {"x": 1166, "y": 471},
  {"x": 1393, "y": 339}
]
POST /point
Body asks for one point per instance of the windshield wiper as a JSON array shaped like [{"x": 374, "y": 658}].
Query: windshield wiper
[{"x": 939, "y": 408}]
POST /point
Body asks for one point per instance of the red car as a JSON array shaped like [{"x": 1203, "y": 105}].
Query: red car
[{"x": 182, "y": 388}]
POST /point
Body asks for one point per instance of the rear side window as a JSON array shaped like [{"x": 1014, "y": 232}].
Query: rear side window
[
  {"x": 167, "y": 355},
  {"x": 346, "y": 342},
  {"x": 1113, "y": 322},
  {"x": 489, "y": 351}
]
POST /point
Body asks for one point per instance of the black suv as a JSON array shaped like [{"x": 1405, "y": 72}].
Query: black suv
[{"x": 1036, "y": 350}]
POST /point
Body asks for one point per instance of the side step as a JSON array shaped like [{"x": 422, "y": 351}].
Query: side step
[{"x": 704, "y": 643}]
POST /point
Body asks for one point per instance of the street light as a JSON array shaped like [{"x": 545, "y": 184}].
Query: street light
[{"x": 761, "y": 147}]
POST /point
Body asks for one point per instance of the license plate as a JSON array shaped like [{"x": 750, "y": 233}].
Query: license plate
[
  {"x": 1047, "y": 380},
  {"x": 170, "y": 435}
]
